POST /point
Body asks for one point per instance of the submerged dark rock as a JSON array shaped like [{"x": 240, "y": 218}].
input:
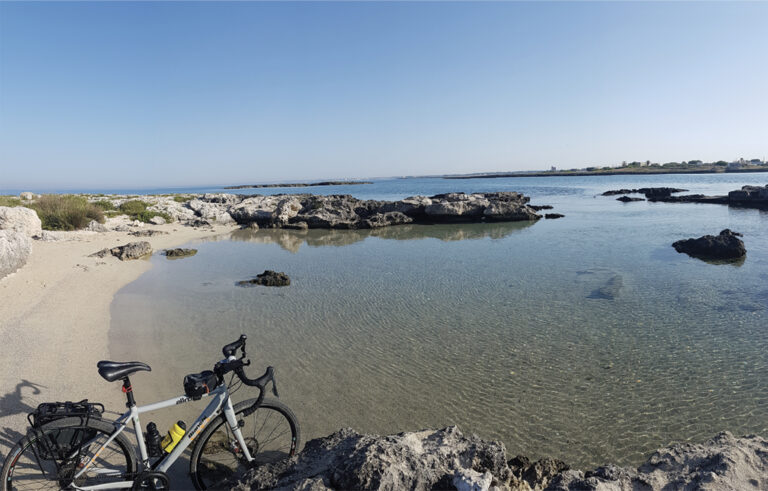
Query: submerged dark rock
[
  {"x": 551, "y": 216},
  {"x": 610, "y": 290},
  {"x": 648, "y": 192},
  {"x": 179, "y": 253},
  {"x": 267, "y": 278},
  {"x": 627, "y": 199},
  {"x": 132, "y": 250},
  {"x": 725, "y": 246}
]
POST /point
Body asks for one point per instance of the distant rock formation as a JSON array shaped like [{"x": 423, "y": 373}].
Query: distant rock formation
[
  {"x": 724, "y": 246},
  {"x": 447, "y": 459},
  {"x": 299, "y": 185},
  {"x": 747, "y": 196}
]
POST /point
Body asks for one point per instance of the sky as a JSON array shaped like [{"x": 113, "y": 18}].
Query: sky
[{"x": 152, "y": 94}]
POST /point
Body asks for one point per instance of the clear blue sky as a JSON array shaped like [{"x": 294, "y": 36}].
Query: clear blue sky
[{"x": 156, "y": 94}]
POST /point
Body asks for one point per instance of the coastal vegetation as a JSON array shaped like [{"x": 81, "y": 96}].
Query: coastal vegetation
[
  {"x": 10, "y": 201},
  {"x": 66, "y": 211},
  {"x": 137, "y": 210}
]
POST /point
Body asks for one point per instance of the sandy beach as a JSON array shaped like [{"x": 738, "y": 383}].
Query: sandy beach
[{"x": 55, "y": 317}]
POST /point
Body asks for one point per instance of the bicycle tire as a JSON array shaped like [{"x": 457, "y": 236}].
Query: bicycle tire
[
  {"x": 214, "y": 473},
  {"x": 35, "y": 451}
]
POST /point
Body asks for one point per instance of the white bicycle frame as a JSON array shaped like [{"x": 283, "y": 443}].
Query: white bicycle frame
[{"x": 221, "y": 402}]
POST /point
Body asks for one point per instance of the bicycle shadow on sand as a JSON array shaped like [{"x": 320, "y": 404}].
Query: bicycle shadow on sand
[{"x": 14, "y": 404}]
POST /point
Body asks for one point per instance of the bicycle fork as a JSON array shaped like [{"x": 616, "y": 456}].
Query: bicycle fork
[{"x": 231, "y": 418}]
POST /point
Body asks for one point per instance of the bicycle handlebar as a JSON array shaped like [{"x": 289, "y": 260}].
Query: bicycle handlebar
[{"x": 225, "y": 366}]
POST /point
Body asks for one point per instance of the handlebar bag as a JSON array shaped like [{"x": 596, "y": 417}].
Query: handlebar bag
[{"x": 197, "y": 384}]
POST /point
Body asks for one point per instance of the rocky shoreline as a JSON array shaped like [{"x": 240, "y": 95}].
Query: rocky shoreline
[{"x": 447, "y": 459}]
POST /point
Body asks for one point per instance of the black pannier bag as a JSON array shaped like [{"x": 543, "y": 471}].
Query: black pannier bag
[
  {"x": 59, "y": 444},
  {"x": 197, "y": 384}
]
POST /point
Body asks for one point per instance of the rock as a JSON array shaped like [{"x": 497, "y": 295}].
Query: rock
[
  {"x": 446, "y": 459},
  {"x": 225, "y": 198},
  {"x": 146, "y": 233},
  {"x": 129, "y": 251},
  {"x": 749, "y": 195},
  {"x": 726, "y": 246},
  {"x": 294, "y": 226},
  {"x": 210, "y": 211},
  {"x": 611, "y": 289},
  {"x": 456, "y": 207},
  {"x": 20, "y": 219},
  {"x": 26, "y": 196},
  {"x": 627, "y": 199},
  {"x": 177, "y": 211},
  {"x": 551, "y": 216},
  {"x": 540, "y": 207},
  {"x": 122, "y": 228},
  {"x": 614, "y": 192},
  {"x": 15, "y": 247},
  {"x": 255, "y": 226},
  {"x": 198, "y": 222},
  {"x": 136, "y": 223},
  {"x": 157, "y": 220},
  {"x": 267, "y": 278},
  {"x": 95, "y": 226},
  {"x": 257, "y": 209},
  {"x": 285, "y": 210},
  {"x": 723, "y": 463},
  {"x": 379, "y": 220},
  {"x": 420, "y": 461},
  {"x": 179, "y": 253}
]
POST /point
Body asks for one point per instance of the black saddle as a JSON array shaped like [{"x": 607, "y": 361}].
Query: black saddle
[{"x": 116, "y": 370}]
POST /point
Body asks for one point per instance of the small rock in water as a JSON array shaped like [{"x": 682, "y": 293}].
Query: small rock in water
[
  {"x": 627, "y": 199},
  {"x": 267, "y": 278},
  {"x": 726, "y": 246},
  {"x": 551, "y": 216},
  {"x": 179, "y": 253},
  {"x": 132, "y": 250}
]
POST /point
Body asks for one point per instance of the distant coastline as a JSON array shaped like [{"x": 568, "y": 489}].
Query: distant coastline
[
  {"x": 298, "y": 185},
  {"x": 612, "y": 172}
]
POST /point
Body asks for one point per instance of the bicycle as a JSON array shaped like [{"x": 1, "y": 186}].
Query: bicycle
[{"x": 70, "y": 445}]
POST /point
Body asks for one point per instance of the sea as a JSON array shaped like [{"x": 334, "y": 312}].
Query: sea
[{"x": 586, "y": 338}]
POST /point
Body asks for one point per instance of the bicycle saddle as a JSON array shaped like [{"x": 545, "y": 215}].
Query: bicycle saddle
[{"x": 116, "y": 370}]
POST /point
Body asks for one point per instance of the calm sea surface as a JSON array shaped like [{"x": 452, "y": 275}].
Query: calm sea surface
[{"x": 586, "y": 338}]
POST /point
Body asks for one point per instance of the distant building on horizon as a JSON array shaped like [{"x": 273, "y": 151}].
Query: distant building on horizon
[{"x": 553, "y": 169}]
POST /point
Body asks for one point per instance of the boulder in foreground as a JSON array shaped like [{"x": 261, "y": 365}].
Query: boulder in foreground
[
  {"x": 447, "y": 459},
  {"x": 726, "y": 246},
  {"x": 267, "y": 278}
]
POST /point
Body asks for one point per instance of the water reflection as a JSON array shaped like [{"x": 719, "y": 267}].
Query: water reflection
[{"x": 292, "y": 240}]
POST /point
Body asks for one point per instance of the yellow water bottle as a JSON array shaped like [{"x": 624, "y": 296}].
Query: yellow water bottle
[{"x": 174, "y": 436}]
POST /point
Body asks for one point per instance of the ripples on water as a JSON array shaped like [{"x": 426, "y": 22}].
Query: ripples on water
[{"x": 586, "y": 338}]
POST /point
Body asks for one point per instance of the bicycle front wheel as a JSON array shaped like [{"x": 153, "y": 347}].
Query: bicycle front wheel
[
  {"x": 49, "y": 457},
  {"x": 271, "y": 434}
]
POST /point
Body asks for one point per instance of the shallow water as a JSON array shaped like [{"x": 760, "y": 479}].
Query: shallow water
[{"x": 586, "y": 338}]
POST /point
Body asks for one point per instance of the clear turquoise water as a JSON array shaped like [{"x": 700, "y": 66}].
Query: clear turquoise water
[{"x": 587, "y": 338}]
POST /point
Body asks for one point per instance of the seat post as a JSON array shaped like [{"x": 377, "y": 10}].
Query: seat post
[{"x": 128, "y": 393}]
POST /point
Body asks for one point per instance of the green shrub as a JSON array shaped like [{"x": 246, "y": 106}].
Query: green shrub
[
  {"x": 133, "y": 207},
  {"x": 147, "y": 215},
  {"x": 104, "y": 204},
  {"x": 66, "y": 212},
  {"x": 181, "y": 199},
  {"x": 10, "y": 201}
]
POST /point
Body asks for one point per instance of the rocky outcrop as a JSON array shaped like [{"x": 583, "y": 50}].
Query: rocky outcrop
[
  {"x": 129, "y": 251},
  {"x": 749, "y": 195},
  {"x": 17, "y": 226},
  {"x": 725, "y": 463},
  {"x": 552, "y": 216},
  {"x": 179, "y": 253},
  {"x": 725, "y": 246},
  {"x": 627, "y": 199},
  {"x": 648, "y": 192},
  {"x": 20, "y": 219},
  {"x": 15, "y": 248},
  {"x": 447, "y": 459},
  {"x": 347, "y": 212},
  {"x": 267, "y": 278}
]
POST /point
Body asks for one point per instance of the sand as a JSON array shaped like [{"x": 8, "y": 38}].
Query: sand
[{"x": 55, "y": 317}]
